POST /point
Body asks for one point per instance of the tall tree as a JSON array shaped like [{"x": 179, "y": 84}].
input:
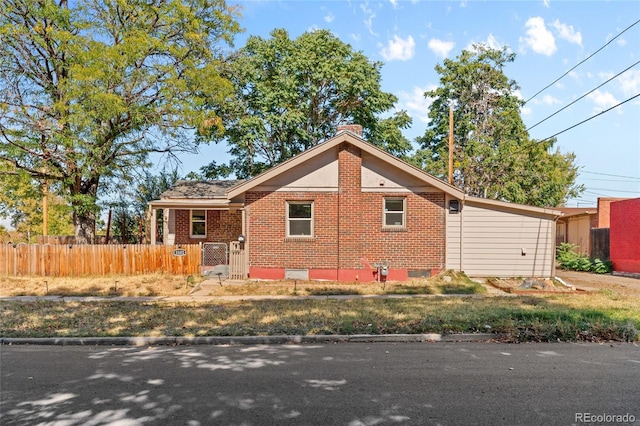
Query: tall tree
[
  {"x": 132, "y": 203},
  {"x": 292, "y": 94},
  {"x": 21, "y": 201},
  {"x": 494, "y": 156},
  {"x": 89, "y": 88}
]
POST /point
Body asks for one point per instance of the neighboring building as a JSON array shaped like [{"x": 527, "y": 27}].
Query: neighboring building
[
  {"x": 604, "y": 204},
  {"x": 625, "y": 235},
  {"x": 586, "y": 228},
  {"x": 346, "y": 210},
  {"x": 574, "y": 227}
]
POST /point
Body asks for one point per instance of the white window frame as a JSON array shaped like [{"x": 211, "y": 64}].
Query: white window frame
[
  {"x": 290, "y": 219},
  {"x": 385, "y": 224},
  {"x": 192, "y": 222}
]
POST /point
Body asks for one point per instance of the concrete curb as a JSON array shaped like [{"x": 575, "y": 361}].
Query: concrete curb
[{"x": 247, "y": 340}]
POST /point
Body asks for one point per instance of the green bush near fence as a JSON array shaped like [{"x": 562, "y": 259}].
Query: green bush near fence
[{"x": 569, "y": 259}]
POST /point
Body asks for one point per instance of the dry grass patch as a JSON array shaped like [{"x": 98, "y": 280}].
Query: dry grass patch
[
  {"x": 445, "y": 283},
  {"x": 131, "y": 286},
  {"x": 596, "y": 317}
]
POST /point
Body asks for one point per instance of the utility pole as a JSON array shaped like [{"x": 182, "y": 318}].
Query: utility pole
[
  {"x": 450, "y": 144},
  {"x": 45, "y": 190}
]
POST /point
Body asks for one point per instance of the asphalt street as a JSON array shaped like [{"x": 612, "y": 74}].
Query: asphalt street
[{"x": 321, "y": 384}]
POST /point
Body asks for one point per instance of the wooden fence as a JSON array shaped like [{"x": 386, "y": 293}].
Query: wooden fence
[
  {"x": 600, "y": 243},
  {"x": 81, "y": 260}
]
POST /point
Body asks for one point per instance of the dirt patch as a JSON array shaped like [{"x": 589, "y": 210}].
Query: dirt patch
[
  {"x": 625, "y": 286},
  {"x": 531, "y": 286}
]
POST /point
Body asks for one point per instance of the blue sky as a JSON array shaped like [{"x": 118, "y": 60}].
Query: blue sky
[{"x": 549, "y": 38}]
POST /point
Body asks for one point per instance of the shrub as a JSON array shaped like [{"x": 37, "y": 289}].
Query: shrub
[{"x": 570, "y": 259}]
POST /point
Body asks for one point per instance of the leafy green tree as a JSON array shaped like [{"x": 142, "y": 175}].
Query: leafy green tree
[
  {"x": 89, "y": 88},
  {"x": 291, "y": 95},
  {"x": 494, "y": 156},
  {"x": 131, "y": 204},
  {"x": 21, "y": 201}
]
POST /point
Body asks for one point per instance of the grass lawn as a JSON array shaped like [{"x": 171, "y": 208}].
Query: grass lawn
[
  {"x": 170, "y": 285},
  {"x": 601, "y": 316},
  {"x": 134, "y": 286},
  {"x": 596, "y": 317}
]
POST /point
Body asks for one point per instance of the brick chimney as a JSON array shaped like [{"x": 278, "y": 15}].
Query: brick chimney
[{"x": 353, "y": 128}]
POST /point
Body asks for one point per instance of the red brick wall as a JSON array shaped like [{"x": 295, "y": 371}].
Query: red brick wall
[
  {"x": 624, "y": 235},
  {"x": 222, "y": 226},
  {"x": 348, "y": 229},
  {"x": 604, "y": 211}
]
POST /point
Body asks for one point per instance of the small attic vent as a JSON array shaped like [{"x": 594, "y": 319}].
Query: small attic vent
[{"x": 353, "y": 128}]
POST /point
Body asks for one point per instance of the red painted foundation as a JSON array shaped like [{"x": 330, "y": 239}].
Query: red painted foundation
[{"x": 344, "y": 275}]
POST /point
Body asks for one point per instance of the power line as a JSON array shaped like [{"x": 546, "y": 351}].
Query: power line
[
  {"x": 532, "y": 143},
  {"x": 583, "y": 96},
  {"x": 590, "y": 118},
  {"x": 609, "y": 180},
  {"x": 581, "y": 62},
  {"x": 608, "y": 174},
  {"x": 597, "y": 193},
  {"x": 616, "y": 190}
]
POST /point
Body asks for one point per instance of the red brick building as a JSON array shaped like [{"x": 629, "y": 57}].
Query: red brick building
[
  {"x": 346, "y": 210},
  {"x": 624, "y": 237}
]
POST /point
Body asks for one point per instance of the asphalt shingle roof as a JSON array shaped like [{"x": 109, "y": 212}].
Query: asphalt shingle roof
[{"x": 199, "y": 189}]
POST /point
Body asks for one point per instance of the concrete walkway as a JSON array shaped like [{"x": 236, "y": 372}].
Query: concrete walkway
[{"x": 202, "y": 298}]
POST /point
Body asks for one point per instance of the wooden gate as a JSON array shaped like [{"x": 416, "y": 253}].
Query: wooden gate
[
  {"x": 214, "y": 259},
  {"x": 237, "y": 263}
]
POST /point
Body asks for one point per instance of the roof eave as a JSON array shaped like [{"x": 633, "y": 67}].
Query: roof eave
[
  {"x": 352, "y": 138},
  {"x": 520, "y": 207}
]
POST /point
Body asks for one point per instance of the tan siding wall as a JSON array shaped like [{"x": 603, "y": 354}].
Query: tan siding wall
[
  {"x": 493, "y": 241},
  {"x": 579, "y": 233}
]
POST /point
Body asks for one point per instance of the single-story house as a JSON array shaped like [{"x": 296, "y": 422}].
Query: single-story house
[
  {"x": 574, "y": 227},
  {"x": 346, "y": 210}
]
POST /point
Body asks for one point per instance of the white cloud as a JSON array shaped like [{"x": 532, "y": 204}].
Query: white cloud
[
  {"x": 602, "y": 100},
  {"x": 621, "y": 42},
  {"x": 548, "y": 100},
  {"x": 526, "y": 111},
  {"x": 415, "y": 103},
  {"x": 538, "y": 37},
  {"x": 394, "y": 3},
  {"x": 399, "y": 49},
  {"x": 369, "y": 15},
  {"x": 441, "y": 47},
  {"x": 491, "y": 42},
  {"x": 567, "y": 32},
  {"x": 329, "y": 18},
  {"x": 630, "y": 82}
]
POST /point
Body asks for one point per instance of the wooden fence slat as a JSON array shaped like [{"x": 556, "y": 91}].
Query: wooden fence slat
[{"x": 81, "y": 260}]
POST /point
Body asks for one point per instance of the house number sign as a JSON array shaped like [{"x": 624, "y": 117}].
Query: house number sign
[{"x": 179, "y": 252}]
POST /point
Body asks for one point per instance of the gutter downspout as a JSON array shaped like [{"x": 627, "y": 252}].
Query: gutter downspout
[
  {"x": 464, "y": 196},
  {"x": 553, "y": 264}
]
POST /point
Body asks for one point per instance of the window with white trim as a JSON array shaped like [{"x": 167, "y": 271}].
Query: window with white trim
[
  {"x": 299, "y": 218},
  {"x": 198, "y": 223},
  {"x": 395, "y": 212}
]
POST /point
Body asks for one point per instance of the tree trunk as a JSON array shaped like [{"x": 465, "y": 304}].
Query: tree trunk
[
  {"x": 85, "y": 228},
  {"x": 85, "y": 209}
]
